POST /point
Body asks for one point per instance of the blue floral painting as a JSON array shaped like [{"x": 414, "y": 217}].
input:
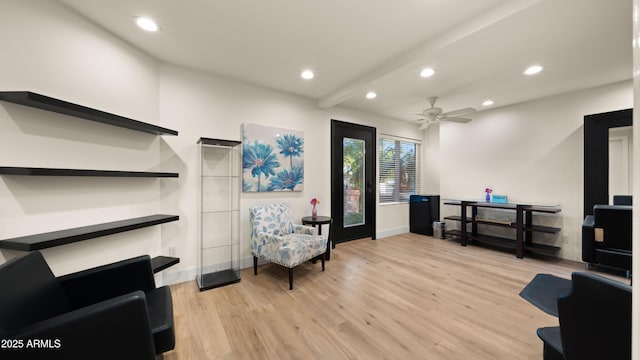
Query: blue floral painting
[{"x": 272, "y": 159}]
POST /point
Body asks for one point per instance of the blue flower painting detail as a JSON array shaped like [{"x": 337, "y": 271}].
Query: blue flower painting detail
[
  {"x": 290, "y": 146},
  {"x": 260, "y": 159},
  {"x": 287, "y": 180},
  {"x": 272, "y": 159}
]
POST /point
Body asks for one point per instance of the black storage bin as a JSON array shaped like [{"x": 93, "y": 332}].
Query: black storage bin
[{"x": 423, "y": 211}]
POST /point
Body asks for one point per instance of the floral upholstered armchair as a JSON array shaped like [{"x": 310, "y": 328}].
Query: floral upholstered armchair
[{"x": 275, "y": 238}]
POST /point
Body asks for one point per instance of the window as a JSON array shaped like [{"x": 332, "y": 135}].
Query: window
[{"x": 399, "y": 169}]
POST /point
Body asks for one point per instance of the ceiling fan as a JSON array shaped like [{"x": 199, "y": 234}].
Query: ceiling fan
[{"x": 433, "y": 114}]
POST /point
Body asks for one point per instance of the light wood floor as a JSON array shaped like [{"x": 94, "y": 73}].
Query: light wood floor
[{"x": 402, "y": 297}]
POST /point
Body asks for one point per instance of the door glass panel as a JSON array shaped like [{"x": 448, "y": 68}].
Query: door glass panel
[{"x": 353, "y": 175}]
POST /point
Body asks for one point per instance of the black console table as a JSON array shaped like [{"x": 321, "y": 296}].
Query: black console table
[{"x": 523, "y": 225}]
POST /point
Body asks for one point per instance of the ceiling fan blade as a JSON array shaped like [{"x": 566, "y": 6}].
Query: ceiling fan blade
[
  {"x": 425, "y": 125},
  {"x": 458, "y": 112},
  {"x": 456, "y": 119}
]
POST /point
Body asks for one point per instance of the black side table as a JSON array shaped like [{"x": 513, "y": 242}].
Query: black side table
[{"x": 320, "y": 220}]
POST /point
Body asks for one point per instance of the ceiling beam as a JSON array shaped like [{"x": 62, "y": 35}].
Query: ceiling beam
[{"x": 425, "y": 50}]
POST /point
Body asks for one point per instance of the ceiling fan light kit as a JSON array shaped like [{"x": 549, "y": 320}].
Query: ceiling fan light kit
[{"x": 435, "y": 114}]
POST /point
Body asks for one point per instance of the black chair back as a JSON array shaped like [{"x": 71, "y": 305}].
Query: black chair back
[
  {"x": 30, "y": 293},
  {"x": 595, "y": 319}
]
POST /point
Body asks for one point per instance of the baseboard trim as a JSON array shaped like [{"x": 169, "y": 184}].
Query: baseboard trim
[{"x": 392, "y": 232}]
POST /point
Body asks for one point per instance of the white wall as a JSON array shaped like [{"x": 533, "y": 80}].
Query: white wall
[
  {"x": 532, "y": 152},
  {"x": 47, "y": 49},
  {"x": 431, "y": 160},
  {"x": 201, "y": 105}
]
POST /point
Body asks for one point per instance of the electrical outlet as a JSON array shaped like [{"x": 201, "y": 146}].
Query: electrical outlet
[{"x": 173, "y": 252}]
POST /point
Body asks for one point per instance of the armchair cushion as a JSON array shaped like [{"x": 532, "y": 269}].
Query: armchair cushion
[{"x": 293, "y": 249}]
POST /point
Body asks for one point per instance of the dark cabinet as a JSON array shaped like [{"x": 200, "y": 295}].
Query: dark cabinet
[{"x": 423, "y": 211}]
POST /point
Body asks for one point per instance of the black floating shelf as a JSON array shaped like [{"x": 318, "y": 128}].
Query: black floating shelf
[
  {"x": 217, "y": 279},
  {"x": 160, "y": 263},
  {"x": 39, "y": 101},
  {"x": 68, "y": 236},
  {"x": 31, "y": 171},
  {"x": 219, "y": 142}
]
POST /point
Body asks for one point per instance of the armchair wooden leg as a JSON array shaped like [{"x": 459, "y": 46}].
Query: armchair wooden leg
[
  {"x": 324, "y": 256},
  {"x": 290, "y": 278},
  {"x": 255, "y": 265}
]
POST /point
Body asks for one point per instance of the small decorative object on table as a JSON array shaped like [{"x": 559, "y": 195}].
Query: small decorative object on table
[
  {"x": 314, "y": 211},
  {"x": 499, "y": 199},
  {"x": 487, "y": 197}
]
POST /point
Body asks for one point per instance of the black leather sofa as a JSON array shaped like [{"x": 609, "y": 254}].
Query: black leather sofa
[
  {"x": 113, "y": 311},
  {"x": 606, "y": 237},
  {"x": 595, "y": 321}
]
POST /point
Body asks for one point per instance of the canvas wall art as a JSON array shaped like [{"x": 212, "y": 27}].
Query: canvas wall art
[{"x": 272, "y": 159}]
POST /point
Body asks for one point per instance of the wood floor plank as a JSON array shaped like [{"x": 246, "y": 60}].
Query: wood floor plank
[{"x": 403, "y": 297}]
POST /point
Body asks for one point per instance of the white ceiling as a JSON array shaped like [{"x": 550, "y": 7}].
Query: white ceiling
[{"x": 478, "y": 48}]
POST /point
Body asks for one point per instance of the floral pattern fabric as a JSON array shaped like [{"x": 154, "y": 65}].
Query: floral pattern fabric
[{"x": 275, "y": 238}]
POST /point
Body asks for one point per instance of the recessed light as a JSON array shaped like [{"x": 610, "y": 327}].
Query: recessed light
[
  {"x": 533, "y": 69},
  {"x": 371, "y": 95},
  {"x": 428, "y": 72},
  {"x": 307, "y": 75},
  {"x": 487, "y": 103},
  {"x": 146, "y": 23}
]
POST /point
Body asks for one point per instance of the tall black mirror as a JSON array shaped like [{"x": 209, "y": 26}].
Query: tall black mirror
[{"x": 596, "y": 154}]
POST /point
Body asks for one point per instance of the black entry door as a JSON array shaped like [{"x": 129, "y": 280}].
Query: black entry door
[{"x": 353, "y": 173}]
